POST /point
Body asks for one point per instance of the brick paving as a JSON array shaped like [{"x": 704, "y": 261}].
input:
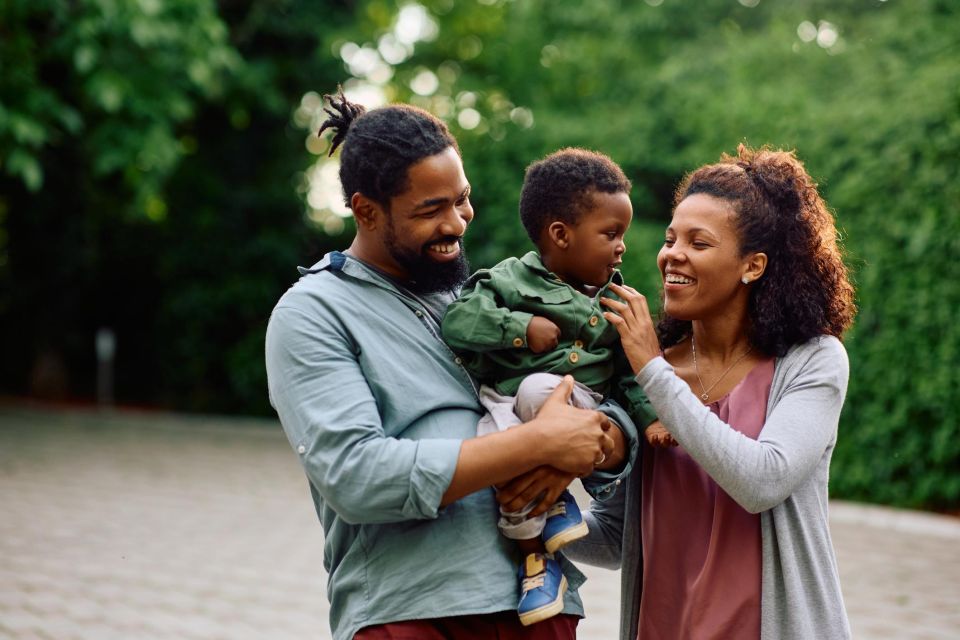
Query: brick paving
[{"x": 131, "y": 525}]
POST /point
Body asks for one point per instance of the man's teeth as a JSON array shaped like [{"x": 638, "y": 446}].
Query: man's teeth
[
  {"x": 444, "y": 248},
  {"x": 674, "y": 278}
]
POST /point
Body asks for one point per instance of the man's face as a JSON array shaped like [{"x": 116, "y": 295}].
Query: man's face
[{"x": 424, "y": 228}]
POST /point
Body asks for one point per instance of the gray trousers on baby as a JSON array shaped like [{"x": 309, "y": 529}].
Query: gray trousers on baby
[{"x": 504, "y": 412}]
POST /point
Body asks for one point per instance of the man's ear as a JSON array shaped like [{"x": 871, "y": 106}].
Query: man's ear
[
  {"x": 559, "y": 234},
  {"x": 365, "y": 211}
]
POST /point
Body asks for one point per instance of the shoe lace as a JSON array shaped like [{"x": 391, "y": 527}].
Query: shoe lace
[
  {"x": 531, "y": 583},
  {"x": 558, "y": 509}
]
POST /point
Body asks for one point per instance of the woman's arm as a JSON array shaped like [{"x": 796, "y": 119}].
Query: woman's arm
[
  {"x": 799, "y": 430},
  {"x": 603, "y": 545}
]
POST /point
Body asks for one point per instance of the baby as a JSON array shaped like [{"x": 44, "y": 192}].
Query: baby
[{"x": 524, "y": 324}]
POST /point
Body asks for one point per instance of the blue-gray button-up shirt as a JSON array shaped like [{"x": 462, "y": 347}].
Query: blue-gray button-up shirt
[{"x": 376, "y": 406}]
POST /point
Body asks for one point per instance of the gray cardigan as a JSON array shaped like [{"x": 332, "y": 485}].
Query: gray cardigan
[{"x": 782, "y": 476}]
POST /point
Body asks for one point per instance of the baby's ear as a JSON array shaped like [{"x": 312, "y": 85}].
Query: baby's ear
[{"x": 559, "y": 234}]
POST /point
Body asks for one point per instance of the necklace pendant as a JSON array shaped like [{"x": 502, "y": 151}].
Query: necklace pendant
[{"x": 704, "y": 396}]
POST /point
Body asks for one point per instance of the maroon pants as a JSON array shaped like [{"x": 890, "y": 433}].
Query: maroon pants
[{"x": 504, "y": 625}]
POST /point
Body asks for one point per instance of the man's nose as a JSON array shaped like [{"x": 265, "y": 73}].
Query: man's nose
[
  {"x": 466, "y": 212},
  {"x": 455, "y": 223}
]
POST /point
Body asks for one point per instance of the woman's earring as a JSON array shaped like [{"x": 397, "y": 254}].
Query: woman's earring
[{"x": 745, "y": 280}]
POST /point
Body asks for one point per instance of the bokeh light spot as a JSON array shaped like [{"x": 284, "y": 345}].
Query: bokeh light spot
[
  {"x": 807, "y": 31},
  {"x": 469, "y": 119},
  {"x": 425, "y": 83}
]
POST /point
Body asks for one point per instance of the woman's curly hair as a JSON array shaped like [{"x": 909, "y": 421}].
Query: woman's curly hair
[{"x": 805, "y": 290}]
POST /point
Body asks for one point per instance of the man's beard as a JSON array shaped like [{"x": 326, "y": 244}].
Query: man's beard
[{"x": 425, "y": 274}]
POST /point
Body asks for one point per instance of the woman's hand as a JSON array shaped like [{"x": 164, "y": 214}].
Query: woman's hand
[
  {"x": 543, "y": 484},
  {"x": 632, "y": 320}
]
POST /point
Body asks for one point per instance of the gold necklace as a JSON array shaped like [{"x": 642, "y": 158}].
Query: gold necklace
[{"x": 705, "y": 393}]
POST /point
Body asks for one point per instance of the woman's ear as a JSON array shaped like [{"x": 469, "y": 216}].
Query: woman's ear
[
  {"x": 559, "y": 234},
  {"x": 756, "y": 264}
]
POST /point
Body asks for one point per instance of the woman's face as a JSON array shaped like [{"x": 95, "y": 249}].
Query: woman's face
[{"x": 700, "y": 260}]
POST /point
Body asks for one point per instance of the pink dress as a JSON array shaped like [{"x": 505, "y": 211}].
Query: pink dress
[{"x": 701, "y": 550}]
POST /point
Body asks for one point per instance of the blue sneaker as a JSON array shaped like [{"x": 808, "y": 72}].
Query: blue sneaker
[
  {"x": 564, "y": 523},
  {"x": 542, "y": 586}
]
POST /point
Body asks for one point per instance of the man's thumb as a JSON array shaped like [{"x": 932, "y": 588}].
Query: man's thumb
[{"x": 563, "y": 390}]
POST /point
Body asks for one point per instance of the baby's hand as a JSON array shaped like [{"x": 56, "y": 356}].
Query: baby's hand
[
  {"x": 658, "y": 436},
  {"x": 542, "y": 334}
]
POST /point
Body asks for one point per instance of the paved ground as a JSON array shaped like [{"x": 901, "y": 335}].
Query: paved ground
[{"x": 145, "y": 526}]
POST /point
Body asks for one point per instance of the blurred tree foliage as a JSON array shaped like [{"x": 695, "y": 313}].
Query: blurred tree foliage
[
  {"x": 151, "y": 168},
  {"x": 148, "y": 183}
]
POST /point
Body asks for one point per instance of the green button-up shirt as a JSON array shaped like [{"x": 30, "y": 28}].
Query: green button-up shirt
[
  {"x": 487, "y": 326},
  {"x": 376, "y": 407}
]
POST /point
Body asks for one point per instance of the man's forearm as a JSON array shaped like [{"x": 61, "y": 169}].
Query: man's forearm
[{"x": 493, "y": 459}]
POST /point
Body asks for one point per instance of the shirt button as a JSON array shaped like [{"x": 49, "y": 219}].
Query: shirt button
[
  {"x": 617, "y": 482},
  {"x": 419, "y": 313},
  {"x": 458, "y": 360},
  {"x": 574, "y": 357},
  {"x": 301, "y": 449},
  {"x": 578, "y": 344},
  {"x": 594, "y": 320},
  {"x": 518, "y": 342}
]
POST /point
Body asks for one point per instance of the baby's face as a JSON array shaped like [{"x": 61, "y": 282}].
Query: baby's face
[{"x": 596, "y": 240}]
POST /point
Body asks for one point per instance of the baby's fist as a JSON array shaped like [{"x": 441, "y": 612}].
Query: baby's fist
[
  {"x": 542, "y": 334},
  {"x": 658, "y": 436}
]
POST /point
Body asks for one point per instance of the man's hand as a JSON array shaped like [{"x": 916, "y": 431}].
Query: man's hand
[
  {"x": 543, "y": 484},
  {"x": 542, "y": 334},
  {"x": 574, "y": 440}
]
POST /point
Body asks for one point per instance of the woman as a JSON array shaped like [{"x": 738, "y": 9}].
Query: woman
[{"x": 726, "y": 535}]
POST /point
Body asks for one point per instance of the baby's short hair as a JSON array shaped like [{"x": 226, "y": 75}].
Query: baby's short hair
[{"x": 561, "y": 186}]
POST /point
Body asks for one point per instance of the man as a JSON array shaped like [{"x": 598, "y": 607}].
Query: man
[{"x": 383, "y": 416}]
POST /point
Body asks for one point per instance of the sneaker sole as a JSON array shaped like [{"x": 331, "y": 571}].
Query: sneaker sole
[
  {"x": 565, "y": 537},
  {"x": 548, "y": 610}
]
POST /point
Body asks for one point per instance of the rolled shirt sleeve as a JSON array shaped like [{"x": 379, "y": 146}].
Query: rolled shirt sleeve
[{"x": 331, "y": 419}]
